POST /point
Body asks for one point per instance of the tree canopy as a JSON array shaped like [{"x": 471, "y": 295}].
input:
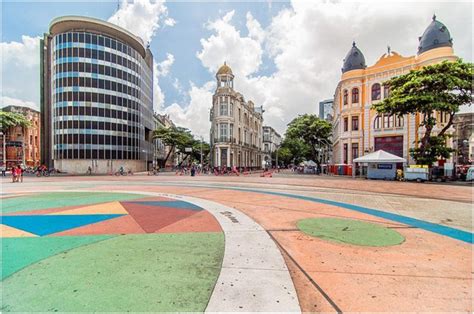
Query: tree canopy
[
  {"x": 440, "y": 88},
  {"x": 309, "y": 132},
  {"x": 12, "y": 119},
  {"x": 181, "y": 138}
]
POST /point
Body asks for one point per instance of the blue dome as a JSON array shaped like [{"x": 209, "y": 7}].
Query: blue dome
[
  {"x": 354, "y": 59},
  {"x": 436, "y": 35}
]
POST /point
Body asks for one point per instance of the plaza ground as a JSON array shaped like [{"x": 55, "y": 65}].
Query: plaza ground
[{"x": 286, "y": 243}]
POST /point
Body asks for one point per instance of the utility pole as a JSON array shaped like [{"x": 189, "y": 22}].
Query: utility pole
[
  {"x": 202, "y": 139},
  {"x": 4, "y": 150}
]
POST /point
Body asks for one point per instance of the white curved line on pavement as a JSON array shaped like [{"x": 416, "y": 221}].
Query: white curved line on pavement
[{"x": 254, "y": 276}]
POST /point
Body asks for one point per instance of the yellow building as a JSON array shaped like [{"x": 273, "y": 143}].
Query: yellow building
[{"x": 359, "y": 129}]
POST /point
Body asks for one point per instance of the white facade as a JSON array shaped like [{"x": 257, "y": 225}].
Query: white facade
[{"x": 236, "y": 126}]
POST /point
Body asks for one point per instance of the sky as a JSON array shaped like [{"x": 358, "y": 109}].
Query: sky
[{"x": 285, "y": 55}]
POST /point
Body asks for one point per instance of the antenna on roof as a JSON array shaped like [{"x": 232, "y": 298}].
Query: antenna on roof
[{"x": 389, "y": 50}]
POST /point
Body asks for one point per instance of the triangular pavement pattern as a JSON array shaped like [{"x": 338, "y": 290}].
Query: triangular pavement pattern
[
  {"x": 152, "y": 218},
  {"x": 47, "y": 224},
  {"x": 105, "y": 208},
  {"x": 173, "y": 203},
  {"x": 10, "y": 232},
  {"x": 200, "y": 222},
  {"x": 120, "y": 225}
]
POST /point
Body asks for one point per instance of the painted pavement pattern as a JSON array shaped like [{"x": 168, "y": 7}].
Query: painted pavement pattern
[
  {"x": 429, "y": 271},
  {"x": 133, "y": 253}
]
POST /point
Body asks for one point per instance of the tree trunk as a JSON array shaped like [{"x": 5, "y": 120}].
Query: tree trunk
[
  {"x": 185, "y": 157},
  {"x": 167, "y": 156},
  {"x": 448, "y": 125}
]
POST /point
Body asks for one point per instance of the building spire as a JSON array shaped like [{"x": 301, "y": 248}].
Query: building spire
[{"x": 434, "y": 17}]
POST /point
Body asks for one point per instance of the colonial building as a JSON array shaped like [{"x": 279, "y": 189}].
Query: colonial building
[
  {"x": 463, "y": 138},
  {"x": 22, "y": 145},
  {"x": 357, "y": 128},
  {"x": 236, "y": 126},
  {"x": 271, "y": 142}
]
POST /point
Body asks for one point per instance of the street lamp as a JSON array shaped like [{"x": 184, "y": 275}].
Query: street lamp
[
  {"x": 146, "y": 159},
  {"x": 4, "y": 149}
]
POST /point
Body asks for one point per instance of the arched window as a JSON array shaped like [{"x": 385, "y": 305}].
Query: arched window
[
  {"x": 355, "y": 95},
  {"x": 399, "y": 121},
  {"x": 376, "y": 91},
  {"x": 345, "y": 100},
  {"x": 386, "y": 91},
  {"x": 387, "y": 121},
  {"x": 377, "y": 122}
]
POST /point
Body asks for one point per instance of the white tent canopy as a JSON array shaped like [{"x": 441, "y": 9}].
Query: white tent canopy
[
  {"x": 380, "y": 156},
  {"x": 310, "y": 163}
]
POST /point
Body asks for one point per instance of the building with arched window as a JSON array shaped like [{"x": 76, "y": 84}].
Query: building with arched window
[
  {"x": 236, "y": 126},
  {"x": 97, "y": 97},
  {"x": 357, "y": 128}
]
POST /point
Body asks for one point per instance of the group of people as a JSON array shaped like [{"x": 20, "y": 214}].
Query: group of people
[{"x": 17, "y": 174}]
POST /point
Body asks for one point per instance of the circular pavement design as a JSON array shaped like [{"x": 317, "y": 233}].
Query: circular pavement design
[
  {"x": 350, "y": 231},
  {"x": 76, "y": 251},
  {"x": 137, "y": 251}
]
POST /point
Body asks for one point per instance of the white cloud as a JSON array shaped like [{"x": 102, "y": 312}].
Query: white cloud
[
  {"x": 142, "y": 17},
  {"x": 160, "y": 69},
  {"x": 20, "y": 68},
  {"x": 195, "y": 116},
  {"x": 244, "y": 53},
  {"x": 307, "y": 43},
  {"x": 8, "y": 101},
  {"x": 165, "y": 65}
]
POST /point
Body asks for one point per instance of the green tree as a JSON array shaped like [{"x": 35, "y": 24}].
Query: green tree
[
  {"x": 196, "y": 153},
  {"x": 442, "y": 88},
  {"x": 314, "y": 132},
  {"x": 293, "y": 150},
  {"x": 12, "y": 119},
  {"x": 174, "y": 137}
]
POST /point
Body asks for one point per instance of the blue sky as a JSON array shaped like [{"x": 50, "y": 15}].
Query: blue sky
[
  {"x": 182, "y": 40},
  {"x": 286, "y": 56}
]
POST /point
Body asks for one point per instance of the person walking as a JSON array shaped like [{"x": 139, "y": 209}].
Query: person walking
[
  {"x": 14, "y": 174},
  {"x": 19, "y": 174}
]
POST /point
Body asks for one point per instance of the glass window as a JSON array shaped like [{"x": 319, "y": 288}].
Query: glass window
[
  {"x": 346, "y": 124},
  {"x": 113, "y": 44},
  {"x": 386, "y": 91},
  {"x": 75, "y": 37},
  {"x": 355, "y": 150},
  {"x": 94, "y": 39},
  {"x": 377, "y": 122},
  {"x": 107, "y": 42},
  {"x": 387, "y": 121},
  {"x": 345, "y": 96},
  {"x": 355, "y": 123},
  {"x": 88, "y": 38},
  {"x": 355, "y": 95},
  {"x": 399, "y": 121},
  {"x": 376, "y": 91},
  {"x": 101, "y": 41},
  {"x": 81, "y": 37},
  {"x": 69, "y": 37},
  {"x": 345, "y": 152}
]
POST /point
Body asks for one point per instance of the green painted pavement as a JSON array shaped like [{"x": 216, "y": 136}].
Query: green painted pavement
[
  {"x": 350, "y": 231},
  {"x": 139, "y": 273},
  {"x": 18, "y": 253},
  {"x": 61, "y": 199}
]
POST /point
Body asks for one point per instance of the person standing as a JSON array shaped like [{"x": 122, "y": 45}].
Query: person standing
[
  {"x": 14, "y": 174},
  {"x": 20, "y": 173}
]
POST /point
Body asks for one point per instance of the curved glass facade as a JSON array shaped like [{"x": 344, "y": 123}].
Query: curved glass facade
[{"x": 102, "y": 98}]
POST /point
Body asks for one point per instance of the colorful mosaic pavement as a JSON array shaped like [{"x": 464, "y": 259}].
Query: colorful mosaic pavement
[{"x": 67, "y": 248}]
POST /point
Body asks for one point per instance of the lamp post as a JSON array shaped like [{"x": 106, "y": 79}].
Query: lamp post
[
  {"x": 202, "y": 139},
  {"x": 4, "y": 149}
]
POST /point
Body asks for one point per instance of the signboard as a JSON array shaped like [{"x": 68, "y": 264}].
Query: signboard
[
  {"x": 188, "y": 149},
  {"x": 418, "y": 166},
  {"x": 384, "y": 166}
]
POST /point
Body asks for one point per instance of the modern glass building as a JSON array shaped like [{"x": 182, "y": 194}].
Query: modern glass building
[{"x": 97, "y": 97}]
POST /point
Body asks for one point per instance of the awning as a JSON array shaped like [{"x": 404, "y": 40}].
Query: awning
[{"x": 380, "y": 156}]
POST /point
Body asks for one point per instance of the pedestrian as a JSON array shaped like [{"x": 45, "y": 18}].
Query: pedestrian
[
  {"x": 4, "y": 171},
  {"x": 19, "y": 174},
  {"x": 14, "y": 174},
  {"x": 193, "y": 171}
]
